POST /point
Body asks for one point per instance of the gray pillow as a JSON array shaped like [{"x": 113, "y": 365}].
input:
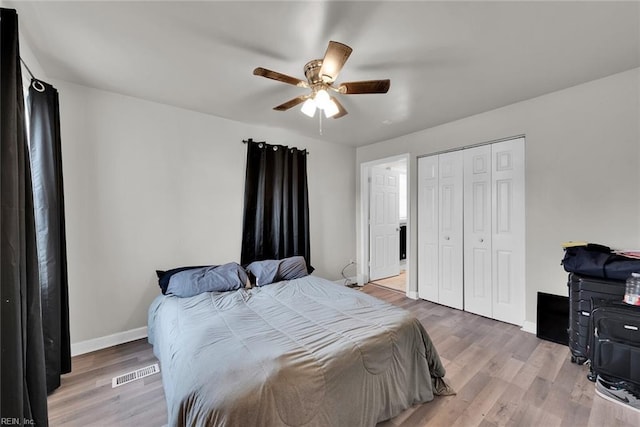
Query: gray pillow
[
  {"x": 188, "y": 283},
  {"x": 274, "y": 270}
]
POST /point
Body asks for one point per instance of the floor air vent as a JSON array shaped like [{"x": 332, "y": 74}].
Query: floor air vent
[{"x": 135, "y": 375}]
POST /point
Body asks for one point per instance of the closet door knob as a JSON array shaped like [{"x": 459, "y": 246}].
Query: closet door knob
[
  {"x": 481, "y": 240},
  {"x": 446, "y": 238}
]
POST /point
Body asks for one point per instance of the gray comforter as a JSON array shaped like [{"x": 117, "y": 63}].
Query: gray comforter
[{"x": 306, "y": 352}]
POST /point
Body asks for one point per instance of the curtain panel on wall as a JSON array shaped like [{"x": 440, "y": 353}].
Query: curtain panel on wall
[
  {"x": 276, "y": 204},
  {"x": 46, "y": 171},
  {"x": 23, "y": 397}
]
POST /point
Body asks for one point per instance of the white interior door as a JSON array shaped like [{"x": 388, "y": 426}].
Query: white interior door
[
  {"x": 384, "y": 239},
  {"x": 450, "y": 188},
  {"x": 428, "y": 228},
  {"x": 508, "y": 242},
  {"x": 477, "y": 231}
]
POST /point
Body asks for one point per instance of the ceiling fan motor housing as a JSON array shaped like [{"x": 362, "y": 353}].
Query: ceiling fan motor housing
[{"x": 312, "y": 72}]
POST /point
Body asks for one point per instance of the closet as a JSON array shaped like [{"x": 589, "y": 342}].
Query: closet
[{"x": 471, "y": 229}]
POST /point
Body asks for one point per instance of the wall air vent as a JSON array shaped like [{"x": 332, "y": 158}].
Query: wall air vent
[{"x": 135, "y": 375}]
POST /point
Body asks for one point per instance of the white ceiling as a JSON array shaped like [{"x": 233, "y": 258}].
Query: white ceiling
[{"x": 446, "y": 60}]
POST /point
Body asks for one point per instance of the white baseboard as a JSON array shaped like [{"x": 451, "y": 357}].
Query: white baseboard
[
  {"x": 99, "y": 343},
  {"x": 529, "y": 327},
  {"x": 412, "y": 294}
]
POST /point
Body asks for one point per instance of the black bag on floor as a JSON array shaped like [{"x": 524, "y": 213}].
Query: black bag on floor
[
  {"x": 615, "y": 352},
  {"x": 598, "y": 261}
]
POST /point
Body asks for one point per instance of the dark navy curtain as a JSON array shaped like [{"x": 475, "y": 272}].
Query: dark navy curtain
[
  {"x": 276, "y": 204},
  {"x": 46, "y": 169},
  {"x": 23, "y": 396}
]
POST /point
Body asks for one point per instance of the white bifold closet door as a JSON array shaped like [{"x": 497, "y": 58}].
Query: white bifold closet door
[
  {"x": 471, "y": 230},
  {"x": 428, "y": 213},
  {"x": 440, "y": 229},
  {"x": 450, "y": 191},
  {"x": 508, "y": 239},
  {"x": 477, "y": 231}
]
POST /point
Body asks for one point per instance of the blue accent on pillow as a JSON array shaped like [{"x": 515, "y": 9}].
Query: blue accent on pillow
[
  {"x": 191, "y": 282},
  {"x": 273, "y": 270},
  {"x": 292, "y": 268},
  {"x": 263, "y": 272},
  {"x": 165, "y": 276}
]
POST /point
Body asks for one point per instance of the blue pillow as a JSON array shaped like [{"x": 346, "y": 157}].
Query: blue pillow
[
  {"x": 165, "y": 276},
  {"x": 188, "y": 283},
  {"x": 273, "y": 270}
]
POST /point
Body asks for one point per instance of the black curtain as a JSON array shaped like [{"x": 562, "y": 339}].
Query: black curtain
[
  {"x": 46, "y": 170},
  {"x": 276, "y": 204},
  {"x": 23, "y": 397}
]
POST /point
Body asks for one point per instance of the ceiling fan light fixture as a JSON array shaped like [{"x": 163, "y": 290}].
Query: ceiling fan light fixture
[
  {"x": 309, "y": 107},
  {"x": 331, "y": 109},
  {"x": 322, "y": 99}
]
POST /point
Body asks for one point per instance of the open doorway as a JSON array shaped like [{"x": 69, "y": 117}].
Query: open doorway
[{"x": 384, "y": 226}]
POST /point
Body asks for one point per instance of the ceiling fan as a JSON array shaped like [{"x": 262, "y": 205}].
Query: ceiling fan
[{"x": 321, "y": 75}]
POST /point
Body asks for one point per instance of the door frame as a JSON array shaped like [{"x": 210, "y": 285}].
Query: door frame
[{"x": 365, "y": 191}]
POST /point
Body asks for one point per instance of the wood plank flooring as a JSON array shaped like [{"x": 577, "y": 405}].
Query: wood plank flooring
[
  {"x": 503, "y": 376},
  {"x": 399, "y": 282}
]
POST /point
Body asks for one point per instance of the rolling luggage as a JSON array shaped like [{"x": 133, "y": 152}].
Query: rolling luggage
[
  {"x": 585, "y": 293},
  {"x": 615, "y": 353}
]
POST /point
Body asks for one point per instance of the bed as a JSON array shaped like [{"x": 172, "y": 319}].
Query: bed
[{"x": 303, "y": 352}]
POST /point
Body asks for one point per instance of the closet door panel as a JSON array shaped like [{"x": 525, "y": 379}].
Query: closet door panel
[
  {"x": 450, "y": 269},
  {"x": 508, "y": 241},
  {"x": 477, "y": 231},
  {"x": 428, "y": 200}
]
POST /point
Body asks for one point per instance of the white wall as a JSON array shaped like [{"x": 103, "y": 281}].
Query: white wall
[
  {"x": 582, "y": 170},
  {"x": 27, "y": 56},
  {"x": 149, "y": 186}
]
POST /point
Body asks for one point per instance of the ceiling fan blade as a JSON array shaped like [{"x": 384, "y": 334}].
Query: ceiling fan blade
[
  {"x": 291, "y": 103},
  {"x": 341, "y": 111},
  {"x": 334, "y": 59},
  {"x": 274, "y": 75},
  {"x": 365, "y": 86}
]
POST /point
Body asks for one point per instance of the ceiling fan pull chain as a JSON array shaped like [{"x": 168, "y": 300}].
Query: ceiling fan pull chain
[{"x": 320, "y": 121}]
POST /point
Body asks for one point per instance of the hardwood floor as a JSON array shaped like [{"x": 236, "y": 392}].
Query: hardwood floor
[
  {"x": 503, "y": 376},
  {"x": 399, "y": 282},
  {"x": 85, "y": 397}
]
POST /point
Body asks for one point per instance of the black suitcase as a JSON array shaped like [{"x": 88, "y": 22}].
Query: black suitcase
[
  {"x": 615, "y": 352},
  {"x": 584, "y": 292}
]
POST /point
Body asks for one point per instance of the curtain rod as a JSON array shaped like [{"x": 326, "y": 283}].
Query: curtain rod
[{"x": 245, "y": 141}]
